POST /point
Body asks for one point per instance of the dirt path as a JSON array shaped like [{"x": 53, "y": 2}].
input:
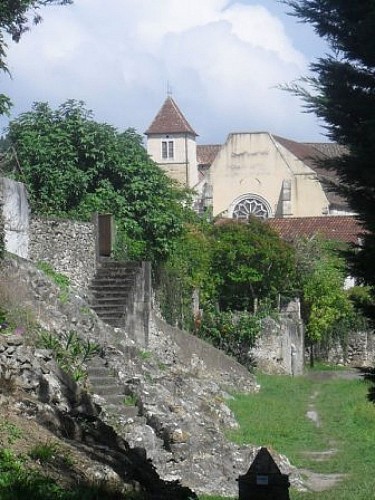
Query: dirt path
[{"x": 314, "y": 481}]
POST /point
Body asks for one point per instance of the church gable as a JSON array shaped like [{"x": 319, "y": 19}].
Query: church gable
[{"x": 250, "y": 175}]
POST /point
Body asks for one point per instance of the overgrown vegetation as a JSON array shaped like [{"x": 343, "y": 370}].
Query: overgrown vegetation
[
  {"x": 96, "y": 168},
  {"x": 328, "y": 310},
  {"x": 240, "y": 272},
  {"x": 235, "y": 270},
  {"x": 18, "y": 481},
  {"x": 70, "y": 352},
  {"x": 233, "y": 332},
  {"x": 59, "y": 279}
]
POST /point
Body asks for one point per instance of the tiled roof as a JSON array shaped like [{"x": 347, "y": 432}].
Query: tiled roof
[
  {"x": 170, "y": 120},
  {"x": 310, "y": 153},
  {"x": 339, "y": 228},
  {"x": 207, "y": 153},
  {"x": 328, "y": 149}
]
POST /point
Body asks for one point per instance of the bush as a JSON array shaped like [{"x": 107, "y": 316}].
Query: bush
[
  {"x": 70, "y": 352},
  {"x": 233, "y": 332}
]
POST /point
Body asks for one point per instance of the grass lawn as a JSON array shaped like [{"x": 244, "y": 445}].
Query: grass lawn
[{"x": 276, "y": 418}]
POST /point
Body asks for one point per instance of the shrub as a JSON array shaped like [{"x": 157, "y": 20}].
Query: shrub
[
  {"x": 233, "y": 332},
  {"x": 70, "y": 352}
]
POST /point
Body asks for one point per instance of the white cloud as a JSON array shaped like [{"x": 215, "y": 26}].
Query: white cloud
[{"x": 223, "y": 60}]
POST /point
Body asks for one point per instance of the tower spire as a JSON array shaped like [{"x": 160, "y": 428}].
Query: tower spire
[{"x": 169, "y": 89}]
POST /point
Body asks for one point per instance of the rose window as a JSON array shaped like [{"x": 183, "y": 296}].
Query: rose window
[{"x": 250, "y": 207}]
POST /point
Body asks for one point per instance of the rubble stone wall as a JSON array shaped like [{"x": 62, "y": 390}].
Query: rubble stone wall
[
  {"x": 280, "y": 347},
  {"x": 357, "y": 350},
  {"x": 68, "y": 246}
]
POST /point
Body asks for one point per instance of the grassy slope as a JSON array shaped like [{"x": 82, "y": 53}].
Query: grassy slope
[{"x": 276, "y": 418}]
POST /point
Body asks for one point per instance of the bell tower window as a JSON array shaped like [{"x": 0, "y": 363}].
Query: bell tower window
[{"x": 167, "y": 150}]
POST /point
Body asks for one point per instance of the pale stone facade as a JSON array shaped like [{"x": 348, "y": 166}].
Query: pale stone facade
[
  {"x": 253, "y": 166},
  {"x": 181, "y": 161},
  {"x": 253, "y": 173}
]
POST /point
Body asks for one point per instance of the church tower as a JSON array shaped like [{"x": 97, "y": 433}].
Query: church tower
[{"x": 171, "y": 144}]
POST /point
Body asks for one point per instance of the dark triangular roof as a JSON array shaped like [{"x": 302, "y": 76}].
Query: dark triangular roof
[
  {"x": 264, "y": 463},
  {"x": 170, "y": 120}
]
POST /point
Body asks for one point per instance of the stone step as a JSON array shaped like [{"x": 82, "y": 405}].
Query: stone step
[
  {"x": 97, "y": 371},
  {"x": 104, "y": 305},
  {"x": 110, "y": 290},
  {"x": 115, "y": 399},
  {"x": 115, "y": 264},
  {"x": 109, "y": 310},
  {"x": 114, "y": 321},
  {"x": 120, "y": 412},
  {"x": 110, "y": 282},
  {"x": 97, "y": 362},
  {"x": 105, "y": 314},
  {"x": 111, "y": 317},
  {"x": 108, "y": 390},
  {"x": 128, "y": 411},
  {"x": 115, "y": 276},
  {"x": 102, "y": 380},
  {"x": 108, "y": 300},
  {"x": 115, "y": 291}
]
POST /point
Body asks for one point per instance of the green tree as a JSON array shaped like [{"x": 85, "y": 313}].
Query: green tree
[
  {"x": 327, "y": 310},
  {"x": 74, "y": 166},
  {"x": 249, "y": 261},
  {"x": 15, "y": 18},
  {"x": 186, "y": 271},
  {"x": 342, "y": 93}
]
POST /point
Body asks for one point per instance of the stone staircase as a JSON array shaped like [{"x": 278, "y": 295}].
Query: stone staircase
[
  {"x": 122, "y": 407},
  {"x": 111, "y": 290},
  {"x": 103, "y": 382}
]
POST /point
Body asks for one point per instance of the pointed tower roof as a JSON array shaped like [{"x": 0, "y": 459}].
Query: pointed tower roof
[{"x": 170, "y": 120}]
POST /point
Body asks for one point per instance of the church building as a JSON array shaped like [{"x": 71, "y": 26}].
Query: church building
[{"x": 253, "y": 173}]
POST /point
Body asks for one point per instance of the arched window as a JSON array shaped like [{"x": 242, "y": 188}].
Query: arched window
[{"x": 249, "y": 205}]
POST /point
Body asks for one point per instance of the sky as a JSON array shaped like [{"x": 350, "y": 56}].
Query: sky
[{"x": 222, "y": 60}]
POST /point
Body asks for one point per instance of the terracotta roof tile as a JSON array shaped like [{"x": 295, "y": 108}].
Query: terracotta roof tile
[
  {"x": 340, "y": 228},
  {"x": 207, "y": 153},
  {"x": 170, "y": 120}
]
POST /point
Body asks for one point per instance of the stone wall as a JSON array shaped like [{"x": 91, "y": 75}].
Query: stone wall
[
  {"x": 358, "y": 350},
  {"x": 69, "y": 246},
  {"x": 15, "y": 212},
  {"x": 173, "y": 344},
  {"x": 280, "y": 347}
]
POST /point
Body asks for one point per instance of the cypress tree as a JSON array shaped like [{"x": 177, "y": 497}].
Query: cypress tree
[{"x": 342, "y": 93}]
